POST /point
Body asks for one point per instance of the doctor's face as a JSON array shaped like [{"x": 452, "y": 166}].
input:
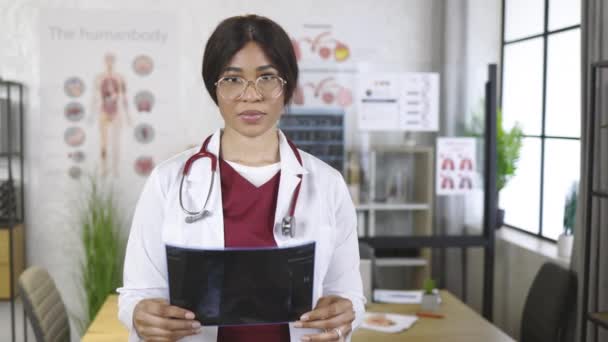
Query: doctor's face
[{"x": 256, "y": 110}]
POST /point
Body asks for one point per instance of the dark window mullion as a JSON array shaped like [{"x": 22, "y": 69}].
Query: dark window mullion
[
  {"x": 544, "y": 120},
  {"x": 557, "y": 137},
  {"x": 540, "y": 35},
  {"x": 523, "y": 39}
]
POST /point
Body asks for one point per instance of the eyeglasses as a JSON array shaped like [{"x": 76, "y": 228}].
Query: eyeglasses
[{"x": 234, "y": 87}]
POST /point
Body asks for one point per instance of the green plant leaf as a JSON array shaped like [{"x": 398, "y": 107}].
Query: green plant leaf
[
  {"x": 428, "y": 286},
  {"x": 103, "y": 247},
  {"x": 508, "y": 144}
]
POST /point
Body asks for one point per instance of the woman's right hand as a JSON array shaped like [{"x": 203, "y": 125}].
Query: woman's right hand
[{"x": 155, "y": 320}]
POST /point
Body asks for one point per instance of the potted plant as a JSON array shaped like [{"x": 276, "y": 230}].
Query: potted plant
[
  {"x": 566, "y": 238},
  {"x": 508, "y": 147},
  {"x": 430, "y": 296},
  {"x": 103, "y": 246}
]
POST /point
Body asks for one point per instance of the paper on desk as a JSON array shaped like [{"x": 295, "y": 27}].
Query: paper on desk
[
  {"x": 387, "y": 322},
  {"x": 397, "y": 296}
]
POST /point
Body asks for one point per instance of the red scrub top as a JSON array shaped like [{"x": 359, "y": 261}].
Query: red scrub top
[{"x": 248, "y": 222}]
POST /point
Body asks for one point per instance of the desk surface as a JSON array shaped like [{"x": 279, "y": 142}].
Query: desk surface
[
  {"x": 461, "y": 324},
  {"x": 106, "y": 327}
]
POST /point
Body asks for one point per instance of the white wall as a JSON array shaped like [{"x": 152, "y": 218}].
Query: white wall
[{"x": 405, "y": 36}]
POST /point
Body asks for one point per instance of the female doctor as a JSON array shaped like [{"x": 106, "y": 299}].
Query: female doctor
[{"x": 241, "y": 196}]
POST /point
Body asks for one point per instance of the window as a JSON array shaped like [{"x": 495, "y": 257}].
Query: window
[{"x": 541, "y": 90}]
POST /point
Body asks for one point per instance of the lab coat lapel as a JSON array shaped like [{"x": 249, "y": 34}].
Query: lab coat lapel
[{"x": 290, "y": 170}]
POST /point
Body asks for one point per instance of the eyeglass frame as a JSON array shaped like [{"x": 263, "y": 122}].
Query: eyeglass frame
[{"x": 255, "y": 87}]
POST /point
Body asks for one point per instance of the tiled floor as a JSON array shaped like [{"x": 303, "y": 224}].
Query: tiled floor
[{"x": 5, "y": 323}]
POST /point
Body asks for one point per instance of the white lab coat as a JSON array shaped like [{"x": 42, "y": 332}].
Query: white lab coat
[{"x": 324, "y": 213}]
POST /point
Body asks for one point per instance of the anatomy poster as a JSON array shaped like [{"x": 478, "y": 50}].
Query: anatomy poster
[
  {"x": 456, "y": 166},
  {"x": 108, "y": 91},
  {"x": 407, "y": 101},
  {"x": 319, "y": 43},
  {"x": 326, "y": 59},
  {"x": 324, "y": 90}
]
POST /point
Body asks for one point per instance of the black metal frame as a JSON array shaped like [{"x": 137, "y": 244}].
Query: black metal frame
[
  {"x": 13, "y": 218},
  {"x": 585, "y": 315},
  {"x": 545, "y": 36},
  {"x": 485, "y": 240}
]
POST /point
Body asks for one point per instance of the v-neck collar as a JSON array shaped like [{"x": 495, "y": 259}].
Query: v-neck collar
[{"x": 238, "y": 179}]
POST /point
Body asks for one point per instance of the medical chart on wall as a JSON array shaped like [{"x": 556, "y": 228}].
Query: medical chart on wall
[
  {"x": 108, "y": 91},
  {"x": 327, "y": 57},
  {"x": 456, "y": 166},
  {"x": 406, "y": 101}
]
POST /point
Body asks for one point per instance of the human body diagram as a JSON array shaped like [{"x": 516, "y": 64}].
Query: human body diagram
[{"x": 111, "y": 104}]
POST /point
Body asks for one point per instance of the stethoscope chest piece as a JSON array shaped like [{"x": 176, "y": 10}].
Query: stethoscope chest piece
[
  {"x": 288, "y": 226},
  {"x": 201, "y": 215}
]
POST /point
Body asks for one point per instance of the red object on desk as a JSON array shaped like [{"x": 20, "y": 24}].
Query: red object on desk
[{"x": 429, "y": 314}]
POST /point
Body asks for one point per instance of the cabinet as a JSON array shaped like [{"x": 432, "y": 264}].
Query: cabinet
[
  {"x": 596, "y": 196},
  {"x": 18, "y": 258},
  {"x": 398, "y": 201},
  {"x": 12, "y": 260}
]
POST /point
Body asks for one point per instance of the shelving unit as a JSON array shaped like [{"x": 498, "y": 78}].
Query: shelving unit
[
  {"x": 440, "y": 241},
  {"x": 12, "y": 208},
  {"x": 400, "y": 203},
  {"x": 593, "y": 315}
]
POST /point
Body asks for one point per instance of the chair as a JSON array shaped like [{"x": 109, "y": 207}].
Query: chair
[
  {"x": 368, "y": 269},
  {"x": 43, "y": 306},
  {"x": 550, "y": 299}
]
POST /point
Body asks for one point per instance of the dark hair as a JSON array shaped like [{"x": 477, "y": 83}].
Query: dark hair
[{"x": 233, "y": 33}]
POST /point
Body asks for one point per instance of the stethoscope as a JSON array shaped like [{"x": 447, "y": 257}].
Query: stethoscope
[{"x": 288, "y": 224}]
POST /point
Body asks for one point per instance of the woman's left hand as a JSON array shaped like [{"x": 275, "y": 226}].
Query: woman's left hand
[{"x": 332, "y": 314}]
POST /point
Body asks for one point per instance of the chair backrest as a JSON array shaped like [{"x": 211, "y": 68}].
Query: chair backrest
[
  {"x": 550, "y": 299},
  {"x": 43, "y": 306}
]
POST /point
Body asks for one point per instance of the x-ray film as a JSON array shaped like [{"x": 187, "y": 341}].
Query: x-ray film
[{"x": 242, "y": 286}]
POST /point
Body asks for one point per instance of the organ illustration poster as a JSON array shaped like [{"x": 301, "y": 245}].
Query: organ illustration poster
[
  {"x": 456, "y": 166},
  {"x": 327, "y": 62},
  {"x": 108, "y": 90}
]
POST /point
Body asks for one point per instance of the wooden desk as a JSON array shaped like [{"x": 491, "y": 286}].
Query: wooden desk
[
  {"x": 106, "y": 327},
  {"x": 461, "y": 324}
]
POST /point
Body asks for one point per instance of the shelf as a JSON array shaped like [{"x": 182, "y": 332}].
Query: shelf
[
  {"x": 601, "y": 193},
  {"x": 4, "y": 224},
  {"x": 421, "y": 262},
  {"x": 600, "y": 64},
  {"x": 600, "y": 318},
  {"x": 393, "y": 206},
  {"x": 9, "y": 154}
]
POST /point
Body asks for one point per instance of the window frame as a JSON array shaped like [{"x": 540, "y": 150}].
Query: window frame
[{"x": 543, "y": 137}]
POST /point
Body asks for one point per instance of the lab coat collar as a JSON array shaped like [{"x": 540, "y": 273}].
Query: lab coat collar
[
  {"x": 289, "y": 161},
  {"x": 291, "y": 170}
]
